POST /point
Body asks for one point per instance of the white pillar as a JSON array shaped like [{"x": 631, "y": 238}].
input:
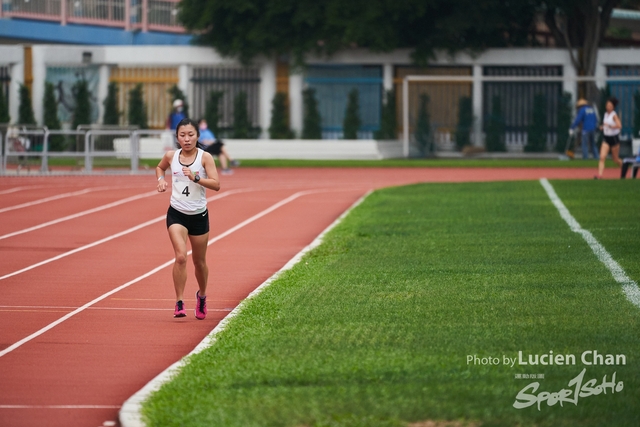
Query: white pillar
[
  {"x": 39, "y": 76},
  {"x": 17, "y": 77},
  {"x": 183, "y": 79},
  {"x": 267, "y": 92},
  {"x": 103, "y": 89},
  {"x": 296, "y": 107},
  {"x": 478, "y": 139},
  {"x": 387, "y": 77}
]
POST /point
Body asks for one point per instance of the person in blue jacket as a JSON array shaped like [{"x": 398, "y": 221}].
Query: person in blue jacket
[{"x": 589, "y": 119}]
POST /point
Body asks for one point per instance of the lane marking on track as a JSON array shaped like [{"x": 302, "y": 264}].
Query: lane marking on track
[
  {"x": 52, "y": 198},
  {"x": 108, "y": 238},
  {"x": 14, "y": 190},
  {"x": 155, "y": 270},
  {"x": 80, "y": 214},
  {"x": 130, "y": 415},
  {"x": 629, "y": 287}
]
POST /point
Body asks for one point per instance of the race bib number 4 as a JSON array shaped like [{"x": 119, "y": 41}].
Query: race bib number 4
[{"x": 185, "y": 190}]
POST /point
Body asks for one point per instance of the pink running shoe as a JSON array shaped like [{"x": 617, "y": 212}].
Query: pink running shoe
[
  {"x": 201, "y": 306},
  {"x": 179, "y": 311}
]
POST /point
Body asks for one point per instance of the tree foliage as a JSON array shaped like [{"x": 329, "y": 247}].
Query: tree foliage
[
  {"x": 4, "y": 107},
  {"x": 111, "y": 112},
  {"x": 537, "y": 132},
  {"x": 423, "y": 135},
  {"x": 279, "y": 128},
  {"x": 465, "y": 122},
  {"x": 241, "y": 125},
  {"x": 312, "y": 121},
  {"x": 565, "y": 108},
  {"x": 51, "y": 120},
  {"x": 212, "y": 111},
  {"x": 495, "y": 140},
  {"x": 248, "y": 28},
  {"x": 352, "y": 122},
  {"x": 25, "y": 109},
  {"x": 82, "y": 101},
  {"x": 388, "y": 121},
  {"x": 137, "y": 108}
]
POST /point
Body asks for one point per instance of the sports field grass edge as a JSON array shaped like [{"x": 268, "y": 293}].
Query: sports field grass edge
[{"x": 348, "y": 368}]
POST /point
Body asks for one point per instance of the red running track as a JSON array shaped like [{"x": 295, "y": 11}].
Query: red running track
[{"x": 85, "y": 274}]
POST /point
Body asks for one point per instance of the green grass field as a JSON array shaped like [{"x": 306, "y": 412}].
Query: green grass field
[{"x": 375, "y": 326}]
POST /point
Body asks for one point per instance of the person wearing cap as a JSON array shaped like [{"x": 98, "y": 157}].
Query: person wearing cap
[
  {"x": 589, "y": 120},
  {"x": 176, "y": 115}
]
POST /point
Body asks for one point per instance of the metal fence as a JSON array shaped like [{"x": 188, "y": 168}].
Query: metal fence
[
  {"x": 80, "y": 150},
  {"x": 332, "y": 84},
  {"x": 142, "y": 15},
  {"x": 230, "y": 81},
  {"x": 516, "y": 89}
]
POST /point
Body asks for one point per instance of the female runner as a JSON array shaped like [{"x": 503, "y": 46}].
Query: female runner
[{"x": 193, "y": 170}]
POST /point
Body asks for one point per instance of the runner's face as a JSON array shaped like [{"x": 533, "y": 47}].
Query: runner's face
[
  {"x": 187, "y": 137},
  {"x": 609, "y": 106}
]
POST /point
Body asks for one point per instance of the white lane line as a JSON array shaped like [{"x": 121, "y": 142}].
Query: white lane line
[
  {"x": 59, "y": 406},
  {"x": 130, "y": 415},
  {"x": 52, "y": 198},
  {"x": 106, "y": 239},
  {"x": 151, "y": 272},
  {"x": 629, "y": 287},
  {"x": 13, "y": 190},
  {"x": 80, "y": 214}
]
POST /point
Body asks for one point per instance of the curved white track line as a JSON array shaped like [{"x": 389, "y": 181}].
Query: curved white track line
[{"x": 629, "y": 287}]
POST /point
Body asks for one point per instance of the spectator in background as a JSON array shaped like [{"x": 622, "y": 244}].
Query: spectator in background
[
  {"x": 176, "y": 115},
  {"x": 589, "y": 120},
  {"x": 215, "y": 147}
]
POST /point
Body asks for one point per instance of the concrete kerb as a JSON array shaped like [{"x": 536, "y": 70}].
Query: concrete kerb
[{"x": 130, "y": 415}]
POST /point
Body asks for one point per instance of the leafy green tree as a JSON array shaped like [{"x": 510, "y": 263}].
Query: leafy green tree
[
  {"x": 111, "y": 112},
  {"x": 241, "y": 124},
  {"x": 465, "y": 122},
  {"x": 212, "y": 111},
  {"x": 279, "y": 128},
  {"x": 25, "y": 110},
  {"x": 176, "y": 93},
  {"x": 137, "y": 107},
  {"x": 249, "y": 28},
  {"x": 4, "y": 107},
  {"x": 82, "y": 108},
  {"x": 51, "y": 120},
  {"x": 496, "y": 127},
  {"x": 423, "y": 134},
  {"x": 312, "y": 122},
  {"x": 565, "y": 109},
  {"x": 388, "y": 121},
  {"x": 352, "y": 122},
  {"x": 580, "y": 27},
  {"x": 537, "y": 132}
]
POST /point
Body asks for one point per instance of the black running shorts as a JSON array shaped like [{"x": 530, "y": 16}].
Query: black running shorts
[
  {"x": 196, "y": 225},
  {"x": 612, "y": 140}
]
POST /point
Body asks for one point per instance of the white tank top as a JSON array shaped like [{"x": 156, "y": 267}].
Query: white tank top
[
  {"x": 609, "y": 121},
  {"x": 187, "y": 196}
]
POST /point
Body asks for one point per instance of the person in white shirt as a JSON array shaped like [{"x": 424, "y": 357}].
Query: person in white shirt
[
  {"x": 193, "y": 170},
  {"x": 611, "y": 127}
]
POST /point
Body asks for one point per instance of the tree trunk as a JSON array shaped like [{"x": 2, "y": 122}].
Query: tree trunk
[{"x": 581, "y": 30}]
